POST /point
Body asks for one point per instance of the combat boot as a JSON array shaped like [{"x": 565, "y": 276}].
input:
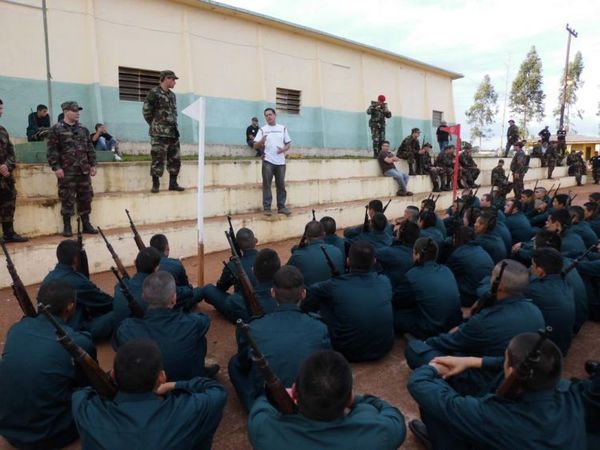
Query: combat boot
[
  {"x": 68, "y": 231},
  {"x": 86, "y": 226},
  {"x": 10, "y": 235},
  {"x": 173, "y": 186},
  {"x": 436, "y": 186},
  {"x": 155, "y": 184}
]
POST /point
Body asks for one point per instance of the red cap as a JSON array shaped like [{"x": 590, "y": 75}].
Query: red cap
[{"x": 381, "y": 98}]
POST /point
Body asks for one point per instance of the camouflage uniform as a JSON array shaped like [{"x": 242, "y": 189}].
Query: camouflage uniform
[
  {"x": 512, "y": 137},
  {"x": 561, "y": 137},
  {"x": 596, "y": 168},
  {"x": 469, "y": 170},
  {"x": 445, "y": 162},
  {"x": 8, "y": 191},
  {"x": 435, "y": 173},
  {"x": 576, "y": 166},
  {"x": 550, "y": 158},
  {"x": 519, "y": 167},
  {"x": 378, "y": 112},
  {"x": 500, "y": 180},
  {"x": 160, "y": 111},
  {"x": 70, "y": 149},
  {"x": 409, "y": 150}
]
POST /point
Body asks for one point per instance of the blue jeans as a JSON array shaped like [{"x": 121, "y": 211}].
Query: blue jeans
[
  {"x": 268, "y": 171},
  {"x": 103, "y": 145},
  {"x": 400, "y": 177},
  {"x": 442, "y": 145}
]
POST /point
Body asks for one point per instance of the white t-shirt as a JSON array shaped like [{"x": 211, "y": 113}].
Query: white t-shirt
[{"x": 277, "y": 136}]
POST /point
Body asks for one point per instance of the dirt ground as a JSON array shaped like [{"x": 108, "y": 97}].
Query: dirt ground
[{"x": 386, "y": 378}]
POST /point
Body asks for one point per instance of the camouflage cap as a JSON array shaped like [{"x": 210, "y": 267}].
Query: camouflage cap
[
  {"x": 168, "y": 73},
  {"x": 71, "y": 106},
  {"x": 467, "y": 146}
]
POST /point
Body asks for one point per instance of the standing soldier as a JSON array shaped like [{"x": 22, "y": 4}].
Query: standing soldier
[
  {"x": 512, "y": 136},
  {"x": 576, "y": 166},
  {"x": 379, "y": 112},
  {"x": 469, "y": 169},
  {"x": 561, "y": 137},
  {"x": 545, "y": 135},
  {"x": 72, "y": 157},
  {"x": 596, "y": 167},
  {"x": 8, "y": 192},
  {"x": 519, "y": 166},
  {"x": 409, "y": 149},
  {"x": 550, "y": 157},
  {"x": 160, "y": 111},
  {"x": 435, "y": 173}
]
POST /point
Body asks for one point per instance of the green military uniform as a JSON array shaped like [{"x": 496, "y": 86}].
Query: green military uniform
[
  {"x": 470, "y": 264},
  {"x": 361, "y": 331},
  {"x": 550, "y": 158},
  {"x": 180, "y": 337},
  {"x": 160, "y": 112},
  {"x": 445, "y": 162},
  {"x": 468, "y": 168},
  {"x": 186, "y": 418},
  {"x": 553, "y": 296},
  {"x": 576, "y": 166},
  {"x": 311, "y": 261},
  {"x": 512, "y": 137},
  {"x": 233, "y": 307},
  {"x": 8, "y": 191},
  {"x": 427, "y": 168},
  {"x": 70, "y": 149},
  {"x": 552, "y": 418},
  {"x": 519, "y": 167},
  {"x": 37, "y": 378},
  {"x": 409, "y": 151},
  {"x": 371, "y": 424},
  {"x": 427, "y": 302},
  {"x": 561, "y": 138},
  {"x": 378, "y": 112},
  {"x": 596, "y": 168},
  {"x": 93, "y": 310},
  {"x": 286, "y": 337}
]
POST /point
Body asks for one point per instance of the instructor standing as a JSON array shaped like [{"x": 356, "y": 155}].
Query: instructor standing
[
  {"x": 274, "y": 140},
  {"x": 160, "y": 111}
]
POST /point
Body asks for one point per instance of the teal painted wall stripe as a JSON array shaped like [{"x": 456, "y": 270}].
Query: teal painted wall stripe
[{"x": 226, "y": 119}]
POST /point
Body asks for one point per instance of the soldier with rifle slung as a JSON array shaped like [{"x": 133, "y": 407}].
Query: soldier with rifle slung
[
  {"x": 245, "y": 243},
  {"x": 37, "y": 375}
]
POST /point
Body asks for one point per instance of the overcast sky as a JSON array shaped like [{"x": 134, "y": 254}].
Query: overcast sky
[{"x": 473, "y": 37}]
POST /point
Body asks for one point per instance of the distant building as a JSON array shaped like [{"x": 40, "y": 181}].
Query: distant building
[
  {"x": 106, "y": 54},
  {"x": 586, "y": 144}
]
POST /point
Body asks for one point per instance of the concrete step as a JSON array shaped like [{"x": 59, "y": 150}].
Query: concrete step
[{"x": 36, "y": 257}]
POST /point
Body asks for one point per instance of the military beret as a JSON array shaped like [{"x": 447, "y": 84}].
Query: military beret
[
  {"x": 381, "y": 98},
  {"x": 71, "y": 106}
]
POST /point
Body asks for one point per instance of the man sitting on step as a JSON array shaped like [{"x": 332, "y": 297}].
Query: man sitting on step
[{"x": 386, "y": 162}]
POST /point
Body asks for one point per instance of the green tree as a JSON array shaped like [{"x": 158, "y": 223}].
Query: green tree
[
  {"x": 574, "y": 82},
  {"x": 526, "y": 96},
  {"x": 481, "y": 114}
]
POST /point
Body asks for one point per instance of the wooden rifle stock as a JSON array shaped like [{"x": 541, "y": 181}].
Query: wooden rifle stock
[
  {"x": 525, "y": 369},
  {"x": 17, "y": 285},
  {"x": 232, "y": 235},
  {"x": 574, "y": 263},
  {"x": 134, "y": 307},
  {"x": 248, "y": 291},
  {"x": 82, "y": 263},
  {"x": 491, "y": 299},
  {"x": 99, "y": 380},
  {"x": 136, "y": 236},
  {"x": 275, "y": 390},
  {"x": 386, "y": 205},
  {"x": 334, "y": 271},
  {"x": 114, "y": 255}
]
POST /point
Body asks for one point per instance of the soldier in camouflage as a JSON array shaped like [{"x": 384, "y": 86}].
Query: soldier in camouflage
[
  {"x": 8, "y": 192},
  {"x": 160, "y": 111},
  {"x": 550, "y": 158},
  {"x": 561, "y": 138},
  {"x": 435, "y": 173},
  {"x": 72, "y": 157},
  {"x": 379, "y": 112},
  {"x": 576, "y": 166},
  {"x": 596, "y": 167},
  {"x": 468, "y": 168},
  {"x": 512, "y": 136},
  {"x": 445, "y": 162},
  {"x": 519, "y": 167},
  {"x": 409, "y": 149}
]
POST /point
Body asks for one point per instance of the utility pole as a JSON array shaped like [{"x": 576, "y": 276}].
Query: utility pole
[
  {"x": 47, "y": 48},
  {"x": 564, "y": 99},
  {"x": 505, "y": 100}
]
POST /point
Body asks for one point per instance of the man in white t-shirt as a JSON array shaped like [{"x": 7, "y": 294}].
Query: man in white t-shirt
[{"x": 273, "y": 141}]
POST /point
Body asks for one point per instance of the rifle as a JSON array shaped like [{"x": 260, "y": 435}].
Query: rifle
[
  {"x": 366, "y": 222},
  {"x": 82, "y": 264},
  {"x": 535, "y": 185},
  {"x": 136, "y": 236},
  {"x": 275, "y": 390},
  {"x": 134, "y": 307},
  {"x": 386, "y": 205},
  {"x": 525, "y": 369},
  {"x": 302, "y": 242},
  {"x": 491, "y": 299},
  {"x": 334, "y": 271},
  {"x": 99, "y": 380},
  {"x": 114, "y": 255},
  {"x": 574, "y": 263},
  {"x": 555, "y": 192},
  {"x": 232, "y": 234},
  {"x": 313, "y": 215},
  {"x": 17, "y": 286},
  {"x": 248, "y": 291}
]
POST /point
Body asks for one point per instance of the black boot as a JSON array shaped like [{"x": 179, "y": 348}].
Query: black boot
[
  {"x": 10, "y": 235},
  {"x": 173, "y": 186},
  {"x": 155, "y": 184},
  {"x": 436, "y": 186},
  {"x": 86, "y": 226},
  {"x": 68, "y": 231}
]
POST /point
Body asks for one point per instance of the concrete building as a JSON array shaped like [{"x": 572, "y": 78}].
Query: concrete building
[{"x": 105, "y": 54}]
